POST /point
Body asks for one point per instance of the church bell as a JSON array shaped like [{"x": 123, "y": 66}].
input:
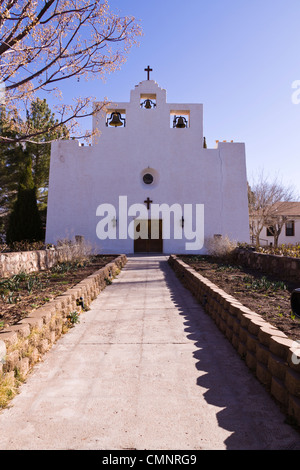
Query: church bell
[
  {"x": 180, "y": 122},
  {"x": 148, "y": 104},
  {"x": 115, "y": 119}
]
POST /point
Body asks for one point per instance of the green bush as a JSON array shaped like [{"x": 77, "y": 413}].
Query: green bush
[{"x": 24, "y": 221}]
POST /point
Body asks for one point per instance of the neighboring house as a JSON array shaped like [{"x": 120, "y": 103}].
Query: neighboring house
[{"x": 290, "y": 233}]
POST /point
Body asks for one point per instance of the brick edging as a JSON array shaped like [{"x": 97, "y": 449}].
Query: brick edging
[
  {"x": 267, "y": 351},
  {"x": 30, "y": 338}
]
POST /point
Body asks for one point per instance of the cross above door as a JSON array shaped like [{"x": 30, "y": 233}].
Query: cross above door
[{"x": 148, "y": 202}]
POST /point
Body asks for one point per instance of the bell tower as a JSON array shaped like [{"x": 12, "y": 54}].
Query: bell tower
[{"x": 148, "y": 114}]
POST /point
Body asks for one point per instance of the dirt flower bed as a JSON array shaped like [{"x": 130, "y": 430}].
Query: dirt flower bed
[
  {"x": 22, "y": 293},
  {"x": 263, "y": 293}
]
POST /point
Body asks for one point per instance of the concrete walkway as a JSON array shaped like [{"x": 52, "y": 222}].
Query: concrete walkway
[{"x": 145, "y": 368}]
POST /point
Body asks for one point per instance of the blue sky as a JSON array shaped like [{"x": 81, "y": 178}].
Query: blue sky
[{"x": 238, "y": 58}]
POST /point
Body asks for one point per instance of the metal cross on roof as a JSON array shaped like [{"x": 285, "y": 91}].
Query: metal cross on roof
[{"x": 148, "y": 70}]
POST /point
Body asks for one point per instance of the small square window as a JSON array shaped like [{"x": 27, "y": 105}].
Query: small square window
[{"x": 270, "y": 232}]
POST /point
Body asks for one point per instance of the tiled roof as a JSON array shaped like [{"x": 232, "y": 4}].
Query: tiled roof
[{"x": 291, "y": 209}]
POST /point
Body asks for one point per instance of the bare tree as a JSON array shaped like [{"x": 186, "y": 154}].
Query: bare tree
[
  {"x": 277, "y": 220},
  {"x": 269, "y": 205},
  {"x": 45, "y": 42}
]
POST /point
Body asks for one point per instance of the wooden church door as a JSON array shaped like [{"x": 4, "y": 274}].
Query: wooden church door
[{"x": 153, "y": 242}]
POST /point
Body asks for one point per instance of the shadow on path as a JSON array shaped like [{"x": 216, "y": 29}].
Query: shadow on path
[{"x": 246, "y": 408}]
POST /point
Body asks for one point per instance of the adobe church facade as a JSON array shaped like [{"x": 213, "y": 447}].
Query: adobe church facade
[{"x": 147, "y": 184}]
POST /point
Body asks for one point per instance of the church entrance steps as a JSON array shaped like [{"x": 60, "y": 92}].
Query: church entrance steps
[{"x": 146, "y": 368}]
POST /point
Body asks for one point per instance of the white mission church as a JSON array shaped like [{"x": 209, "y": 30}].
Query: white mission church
[{"x": 147, "y": 183}]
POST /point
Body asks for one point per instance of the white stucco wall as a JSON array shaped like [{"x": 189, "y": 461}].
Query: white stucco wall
[{"x": 82, "y": 178}]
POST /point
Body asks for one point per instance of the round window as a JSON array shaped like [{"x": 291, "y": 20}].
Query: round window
[{"x": 148, "y": 178}]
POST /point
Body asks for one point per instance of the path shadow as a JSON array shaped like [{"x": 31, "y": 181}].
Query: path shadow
[{"x": 247, "y": 411}]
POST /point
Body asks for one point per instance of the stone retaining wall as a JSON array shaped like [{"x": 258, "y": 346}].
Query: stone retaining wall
[
  {"x": 32, "y": 261},
  {"x": 285, "y": 266},
  {"x": 268, "y": 352},
  {"x": 29, "y": 339}
]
